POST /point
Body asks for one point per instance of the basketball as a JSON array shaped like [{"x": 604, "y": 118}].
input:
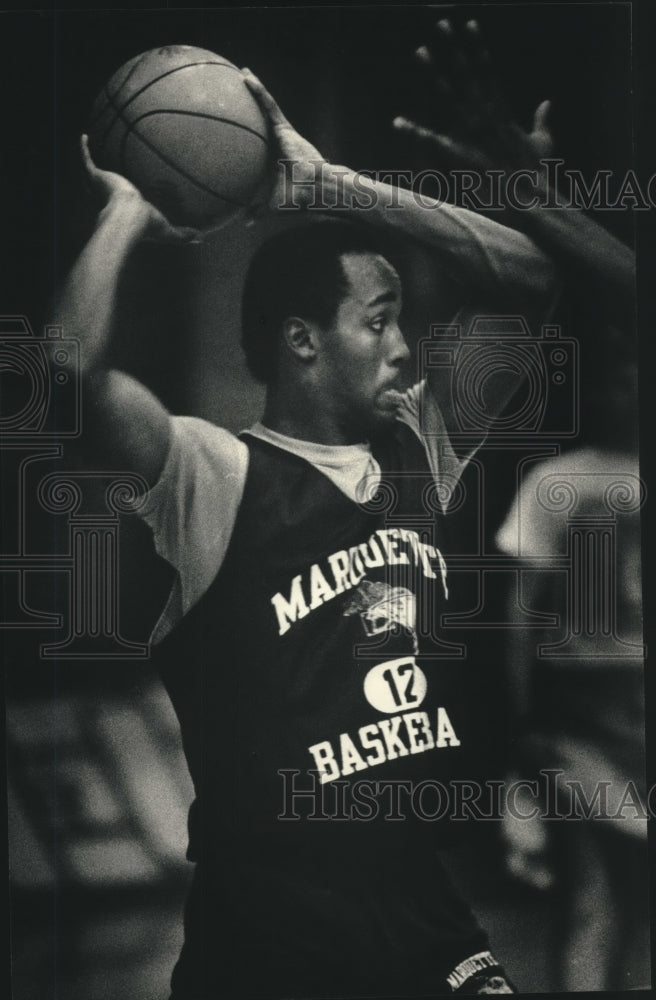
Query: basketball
[{"x": 180, "y": 123}]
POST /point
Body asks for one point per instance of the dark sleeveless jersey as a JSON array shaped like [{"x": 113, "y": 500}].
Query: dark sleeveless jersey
[{"x": 322, "y": 717}]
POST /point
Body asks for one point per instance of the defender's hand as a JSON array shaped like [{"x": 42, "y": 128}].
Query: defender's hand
[
  {"x": 113, "y": 187},
  {"x": 476, "y": 127},
  {"x": 303, "y": 162}
]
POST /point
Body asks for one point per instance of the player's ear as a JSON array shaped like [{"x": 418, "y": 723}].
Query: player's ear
[{"x": 299, "y": 338}]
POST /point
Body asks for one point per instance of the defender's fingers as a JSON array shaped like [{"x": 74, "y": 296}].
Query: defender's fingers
[
  {"x": 540, "y": 116},
  {"x": 264, "y": 98},
  {"x": 427, "y": 135},
  {"x": 412, "y": 128},
  {"x": 473, "y": 40},
  {"x": 481, "y": 68},
  {"x": 423, "y": 55},
  {"x": 450, "y": 50},
  {"x": 439, "y": 84},
  {"x": 455, "y": 152},
  {"x": 445, "y": 27}
]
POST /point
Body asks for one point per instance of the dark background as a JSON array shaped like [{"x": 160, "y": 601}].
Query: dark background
[{"x": 111, "y": 928}]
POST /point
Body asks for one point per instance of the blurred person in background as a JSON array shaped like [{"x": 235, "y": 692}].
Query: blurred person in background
[{"x": 581, "y": 714}]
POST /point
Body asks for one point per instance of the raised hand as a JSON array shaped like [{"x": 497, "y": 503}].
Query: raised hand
[
  {"x": 110, "y": 186},
  {"x": 473, "y": 126},
  {"x": 302, "y": 161}
]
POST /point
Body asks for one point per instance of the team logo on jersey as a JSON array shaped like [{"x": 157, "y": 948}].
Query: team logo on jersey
[
  {"x": 346, "y": 570},
  {"x": 381, "y": 607}
]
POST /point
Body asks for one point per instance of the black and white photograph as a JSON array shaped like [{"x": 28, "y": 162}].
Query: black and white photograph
[{"x": 324, "y": 489}]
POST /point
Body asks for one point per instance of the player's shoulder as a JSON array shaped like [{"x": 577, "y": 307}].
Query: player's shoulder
[
  {"x": 200, "y": 439},
  {"x": 200, "y": 454},
  {"x": 204, "y": 433}
]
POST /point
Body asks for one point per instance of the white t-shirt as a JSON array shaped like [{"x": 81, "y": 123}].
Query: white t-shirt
[
  {"x": 535, "y": 530},
  {"x": 193, "y": 507}
]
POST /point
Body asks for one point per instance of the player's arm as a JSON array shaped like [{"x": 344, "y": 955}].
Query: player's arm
[
  {"x": 124, "y": 425},
  {"x": 500, "y": 262},
  {"x": 483, "y": 136},
  {"x": 501, "y": 270},
  {"x": 186, "y": 462}
]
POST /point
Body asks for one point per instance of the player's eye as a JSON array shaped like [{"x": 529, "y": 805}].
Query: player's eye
[{"x": 377, "y": 324}]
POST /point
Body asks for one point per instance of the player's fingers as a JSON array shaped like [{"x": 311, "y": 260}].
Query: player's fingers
[
  {"x": 482, "y": 77},
  {"x": 455, "y": 152},
  {"x": 450, "y": 51},
  {"x": 265, "y": 99},
  {"x": 426, "y": 136},
  {"x": 540, "y": 116},
  {"x": 540, "y": 138},
  {"x": 439, "y": 83},
  {"x": 423, "y": 55},
  {"x": 473, "y": 41},
  {"x": 452, "y": 89},
  {"x": 445, "y": 29},
  {"x": 89, "y": 165},
  {"x": 477, "y": 84},
  {"x": 406, "y": 125},
  {"x": 451, "y": 44}
]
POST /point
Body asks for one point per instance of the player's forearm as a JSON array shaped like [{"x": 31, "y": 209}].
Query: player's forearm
[
  {"x": 573, "y": 238},
  {"x": 501, "y": 262},
  {"x": 87, "y": 303}
]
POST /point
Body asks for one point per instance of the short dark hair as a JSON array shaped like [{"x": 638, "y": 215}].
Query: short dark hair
[{"x": 297, "y": 272}]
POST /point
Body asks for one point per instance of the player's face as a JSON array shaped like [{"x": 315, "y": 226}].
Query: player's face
[{"x": 364, "y": 353}]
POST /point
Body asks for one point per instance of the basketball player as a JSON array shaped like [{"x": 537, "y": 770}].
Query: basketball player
[{"x": 300, "y": 643}]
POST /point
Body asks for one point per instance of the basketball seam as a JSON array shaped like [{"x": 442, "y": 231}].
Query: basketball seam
[
  {"x": 111, "y": 97},
  {"x": 169, "y": 72},
  {"x": 110, "y": 101},
  {"x": 170, "y": 163},
  {"x": 118, "y": 110},
  {"x": 198, "y": 114}
]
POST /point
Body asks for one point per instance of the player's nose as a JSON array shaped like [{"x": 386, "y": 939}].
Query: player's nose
[{"x": 399, "y": 352}]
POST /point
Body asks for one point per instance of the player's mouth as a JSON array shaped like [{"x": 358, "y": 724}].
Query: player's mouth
[{"x": 391, "y": 397}]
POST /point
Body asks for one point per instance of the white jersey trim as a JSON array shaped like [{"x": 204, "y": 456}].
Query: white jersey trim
[{"x": 193, "y": 507}]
